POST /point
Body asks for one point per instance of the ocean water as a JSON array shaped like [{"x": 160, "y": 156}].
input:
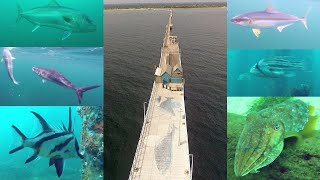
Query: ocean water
[
  {"x": 133, "y": 39},
  {"x": 20, "y": 33},
  {"x": 81, "y": 66},
  {"x": 13, "y": 166},
  {"x": 242, "y": 83},
  {"x": 292, "y": 37}
]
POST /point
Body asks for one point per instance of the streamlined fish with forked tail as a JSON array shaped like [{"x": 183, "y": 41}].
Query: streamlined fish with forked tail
[
  {"x": 56, "y": 16},
  {"x": 269, "y": 18},
  {"x": 51, "y": 143},
  {"x": 56, "y": 77},
  {"x": 8, "y": 58}
]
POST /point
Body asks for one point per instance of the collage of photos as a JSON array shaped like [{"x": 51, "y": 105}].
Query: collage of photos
[
  {"x": 273, "y": 94},
  {"x": 51, "y": 100}
]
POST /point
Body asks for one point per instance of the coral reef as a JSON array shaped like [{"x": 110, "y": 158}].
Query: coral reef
[
  {"x": 92, "y": 141},
  {"x": 298, "y": 160}
]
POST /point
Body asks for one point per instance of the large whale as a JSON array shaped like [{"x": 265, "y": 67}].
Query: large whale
[
  {"x": 7, "y": 57},
  {"x": 56, "y": 77},
  {"x": 56, "y": 16}
]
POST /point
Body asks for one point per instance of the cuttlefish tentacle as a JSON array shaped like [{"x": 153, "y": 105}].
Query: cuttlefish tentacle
[{"x": 262, "y": 138}]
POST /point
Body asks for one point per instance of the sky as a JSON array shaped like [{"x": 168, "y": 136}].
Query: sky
[{"x": 156, "y": 1}]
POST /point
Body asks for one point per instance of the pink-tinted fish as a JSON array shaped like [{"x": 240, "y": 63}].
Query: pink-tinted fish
[{"x": 268, "y": 18}]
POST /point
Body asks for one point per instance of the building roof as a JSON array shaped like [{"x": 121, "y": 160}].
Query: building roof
[
  {"x": 167, "y": 69},
  {"x": 158, "y": 72},
  {"x": 178, "y": 67}
]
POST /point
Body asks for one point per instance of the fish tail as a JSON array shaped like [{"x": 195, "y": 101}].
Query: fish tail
[
  {"x": 23, "y": 137},
  {"x": 304, "y": 19},
  {"x": 20, "y": 11},
  {"x": 81, "y": 90}
]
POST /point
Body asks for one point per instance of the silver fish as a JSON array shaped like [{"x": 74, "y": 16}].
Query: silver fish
[{"x": 278, "y": 66}]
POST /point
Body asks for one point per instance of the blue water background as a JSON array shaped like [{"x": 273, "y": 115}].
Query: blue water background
[
  {"x": 240, "y": 61},
  {"x": 292, "y": 37},
  {"x": 12, "y": 166},
  {"x": 14, "y": 33},
  {"x": 81, "y": 66}
]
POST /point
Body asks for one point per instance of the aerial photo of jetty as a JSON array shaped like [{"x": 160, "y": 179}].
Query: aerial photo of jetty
[{"x": 162, "y": 57}]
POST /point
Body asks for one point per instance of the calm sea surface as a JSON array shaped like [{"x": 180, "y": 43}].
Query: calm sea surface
[{"x": 132, "y": 46}]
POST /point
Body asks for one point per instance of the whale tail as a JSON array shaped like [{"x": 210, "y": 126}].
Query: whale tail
[
  {"x": 81, "y": 90},
  {"x": 20, "y": 11}
]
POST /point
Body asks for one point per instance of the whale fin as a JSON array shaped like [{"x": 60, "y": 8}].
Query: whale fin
[
  {"x": 43, "y": 81},
  {"x": 81, "y": 90},
  {"x": 13, "y": 58},
  {"x": 2, "y": 60},
  {"x": 20, "y": 11},
  {"x": 35, "y": 28},
  {"x": 53, "y": 3},
  {"x": 66, "y": 34}
]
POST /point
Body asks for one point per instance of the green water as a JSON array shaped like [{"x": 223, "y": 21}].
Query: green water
[{"x": 19, "y": 34}]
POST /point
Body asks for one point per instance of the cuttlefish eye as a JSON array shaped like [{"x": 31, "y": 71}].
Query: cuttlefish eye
[{"x": 276, "y": 125}]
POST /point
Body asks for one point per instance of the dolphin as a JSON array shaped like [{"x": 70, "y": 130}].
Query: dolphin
[
  {"x": 56, "y": 77},
  {"x": 269, "y": 18},
  {"x": 7, "y": 57},
  {"x": 59, "y": 17}
]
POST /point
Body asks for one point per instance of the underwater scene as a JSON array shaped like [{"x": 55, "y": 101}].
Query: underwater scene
[
  {"x": 273, "y": 137},
  {"x": 273, "y": 24},
  {"x": 51, "y": 76},
  {"x": 56, "y": 142},
  {"x": 51, "y": 23},
  {"x": 273, "y": 72}
]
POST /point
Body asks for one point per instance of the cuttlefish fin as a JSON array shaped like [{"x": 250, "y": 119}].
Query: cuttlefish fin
[{"x": 256, "y": 32}]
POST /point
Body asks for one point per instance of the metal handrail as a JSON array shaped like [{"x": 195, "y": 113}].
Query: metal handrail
[
  {"x": 191, "y": 167},
  {"x": 142, "y": 133}
]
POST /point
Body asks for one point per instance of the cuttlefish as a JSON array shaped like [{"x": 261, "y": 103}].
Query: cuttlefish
[{"x": 262, "y": 137}]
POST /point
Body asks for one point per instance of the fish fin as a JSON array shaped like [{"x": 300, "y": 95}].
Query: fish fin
[
  {"x": 43, "y": 81},
  {"x": 23, "y": 137},
  {"x": 304, "y": 19},
  {"x": 44, "y": 124},
  {"x": 66, "y": 34},
  {"x": 70, "y": 121},
  {"x": 81, "y": 90},
  {"x": 280, "y": 28},
  {"x": 58, "y": 163},
  {"x": 35, "y": 28},
  {"x": 51, "y": 162},
  {"x": 53, "y": 3},
  {"x": 20, "y": 11},
  {"x": 33, "y": 157},
  {"x": 256, "y": 32},
  {"x": 269, "y": 9}
]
